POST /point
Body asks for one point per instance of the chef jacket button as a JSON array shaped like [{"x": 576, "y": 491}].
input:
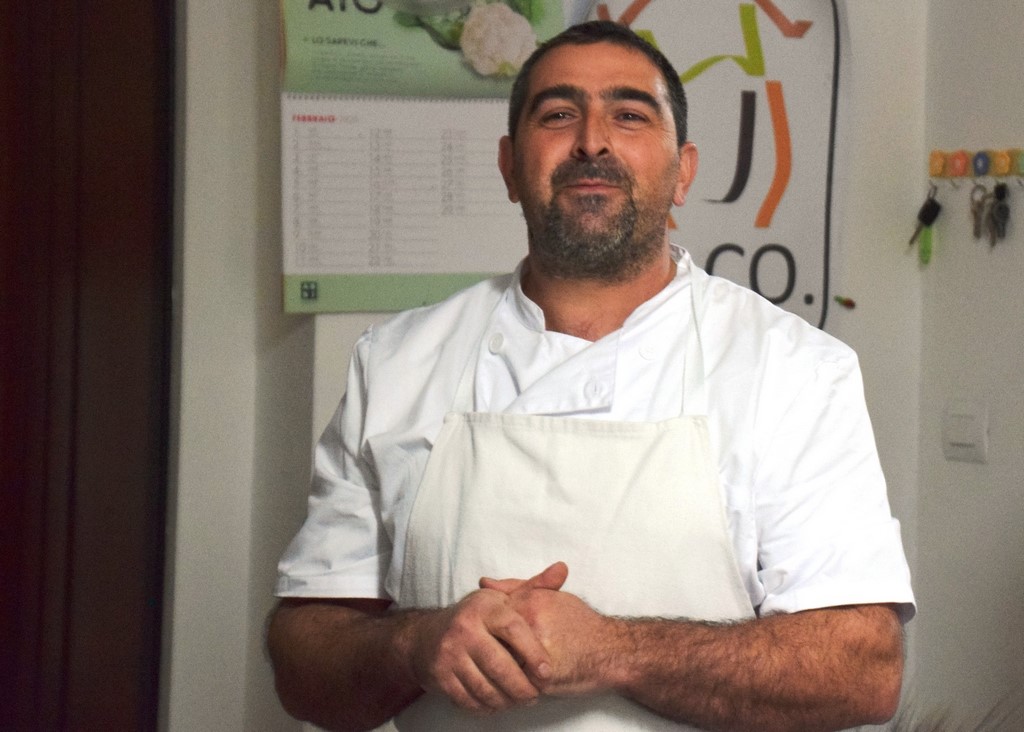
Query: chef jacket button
[
  {"x": 495, "y": 343},
  {"x": 648, "y": 352}
]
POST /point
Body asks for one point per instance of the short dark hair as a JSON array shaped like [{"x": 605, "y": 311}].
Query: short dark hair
[{"x": 598, "y": 31}]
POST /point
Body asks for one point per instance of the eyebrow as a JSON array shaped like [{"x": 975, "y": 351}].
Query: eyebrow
[
  {"x": 577, "y": 96},
  {"x": 567, "y": 92},
  {"x": 632, "y": 94}
]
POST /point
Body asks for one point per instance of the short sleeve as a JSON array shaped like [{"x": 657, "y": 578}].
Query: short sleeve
[
  {"x": 340, "y": 550},
  {"x": 826, "y": 535}
]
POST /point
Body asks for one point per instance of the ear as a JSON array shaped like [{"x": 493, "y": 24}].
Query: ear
[
  {"x": 687, "y": 172},
  {"x": 507, "y": 166}
]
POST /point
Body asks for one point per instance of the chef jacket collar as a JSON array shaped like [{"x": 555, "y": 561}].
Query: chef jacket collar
[
  {"x": 584, "y": 382},
  {"x": 530, "y": 315}
]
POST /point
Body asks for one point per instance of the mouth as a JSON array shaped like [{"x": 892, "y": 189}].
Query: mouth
[
  {"x": 590, "y": 178},
  {"x": 591, "y": 183},
  {"x": 590, "y": 187}
]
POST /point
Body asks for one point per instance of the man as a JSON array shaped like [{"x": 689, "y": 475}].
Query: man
[{"x": 655, "y": 501}]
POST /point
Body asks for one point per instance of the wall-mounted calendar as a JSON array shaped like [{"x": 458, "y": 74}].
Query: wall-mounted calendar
[{"x": 390, "y": 125}]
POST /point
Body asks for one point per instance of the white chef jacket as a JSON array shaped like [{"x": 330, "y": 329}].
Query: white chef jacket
[{"x": 804, "y": 492}]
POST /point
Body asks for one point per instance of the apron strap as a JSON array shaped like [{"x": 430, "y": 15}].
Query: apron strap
[{"x": 695, "y": 398}]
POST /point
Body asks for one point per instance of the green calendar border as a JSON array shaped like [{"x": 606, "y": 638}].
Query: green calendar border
[{"x": 371, "y": 292}]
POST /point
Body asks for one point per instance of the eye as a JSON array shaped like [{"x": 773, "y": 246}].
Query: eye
[
  {"x": 632, "y": 117},
  {"x": 557, "y": 117}
]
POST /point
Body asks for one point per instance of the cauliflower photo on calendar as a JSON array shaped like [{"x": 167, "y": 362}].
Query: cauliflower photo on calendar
[{"x": 412, "y": 48}]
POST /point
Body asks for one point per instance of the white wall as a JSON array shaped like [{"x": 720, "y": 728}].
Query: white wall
[
  {"x": 252, "y": 381},
  {"x": 879, "y": 180},
  {"x": 970, "y": 573},
  {"x": 244, "y": 388}
]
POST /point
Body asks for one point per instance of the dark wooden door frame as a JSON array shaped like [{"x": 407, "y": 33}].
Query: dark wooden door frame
[{"x": 85, "y": 297}]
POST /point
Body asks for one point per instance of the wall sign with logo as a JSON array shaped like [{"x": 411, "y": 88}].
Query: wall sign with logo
[{"x": 761, "y": 79}]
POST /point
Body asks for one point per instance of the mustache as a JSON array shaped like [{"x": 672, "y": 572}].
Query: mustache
[{"x": 608, "y": 170}]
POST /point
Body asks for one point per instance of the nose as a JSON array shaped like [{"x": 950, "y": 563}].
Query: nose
[{"x": 592, "y": 139}]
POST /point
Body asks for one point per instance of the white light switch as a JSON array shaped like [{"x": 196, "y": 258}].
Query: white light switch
[{"x": 965, "y": 432}]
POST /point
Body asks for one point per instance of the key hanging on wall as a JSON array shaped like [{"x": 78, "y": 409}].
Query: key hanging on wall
[
  {"x": 998, "y": 215},
  {"x": 980, "y": 198},
  {"x": 926, "y": 216}
]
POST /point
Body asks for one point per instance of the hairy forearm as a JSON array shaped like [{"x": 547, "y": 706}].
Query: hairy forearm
[
  {"x": 351, "y": 664},
  {"x": 819, "y": 670},
  {"x": 339, "y": 667}
]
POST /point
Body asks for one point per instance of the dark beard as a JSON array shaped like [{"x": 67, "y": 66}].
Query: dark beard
[{"x": 586, "y": 239}]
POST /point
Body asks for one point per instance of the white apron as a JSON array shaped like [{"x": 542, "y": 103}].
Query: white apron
[{"x": 634, "y": 509}]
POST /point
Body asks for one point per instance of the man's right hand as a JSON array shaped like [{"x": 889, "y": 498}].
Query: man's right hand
[
  {"x": 479, "y": 653},
  {"x": 353, "y": 664}
]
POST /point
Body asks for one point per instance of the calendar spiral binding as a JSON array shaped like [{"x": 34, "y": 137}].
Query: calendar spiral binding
[{"x": 329, "y": 97}]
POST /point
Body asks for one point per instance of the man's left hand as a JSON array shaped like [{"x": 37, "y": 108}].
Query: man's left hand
[{"x": 577, "y": 638}]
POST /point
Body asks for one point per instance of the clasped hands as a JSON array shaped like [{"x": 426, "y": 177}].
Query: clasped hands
[{"x": 512, "y": 641}]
